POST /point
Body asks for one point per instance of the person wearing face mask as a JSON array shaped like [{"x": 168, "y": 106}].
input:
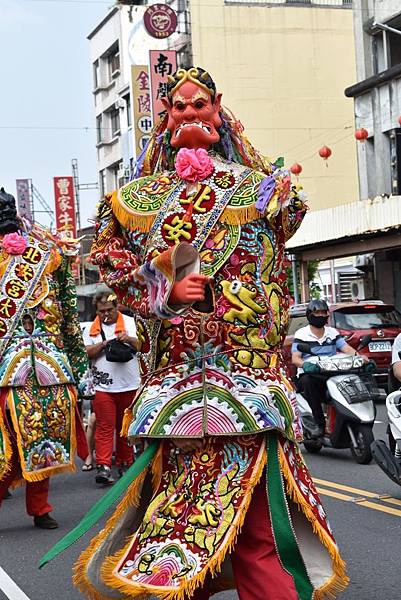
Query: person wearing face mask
[{"x": 322, "y": 341}]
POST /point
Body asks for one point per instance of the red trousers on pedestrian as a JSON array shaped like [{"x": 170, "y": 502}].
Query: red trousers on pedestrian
[
  {"x": 109, "y": 410},
  {"x": 36, "y": 492},
  {"x": 258, "y": 572}
]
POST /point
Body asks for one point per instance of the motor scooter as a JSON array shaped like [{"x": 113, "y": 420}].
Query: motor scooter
[
  {"x": 349, "y": 406},
  {"x": 389, "y": 457}
]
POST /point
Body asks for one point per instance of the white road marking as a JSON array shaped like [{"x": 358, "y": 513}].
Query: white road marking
[
  {"x": 10, "y": 588},
  {"x": 378, "y": 421}
]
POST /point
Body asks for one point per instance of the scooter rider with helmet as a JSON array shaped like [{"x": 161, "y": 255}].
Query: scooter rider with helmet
[{"x": 323, "y": 341}]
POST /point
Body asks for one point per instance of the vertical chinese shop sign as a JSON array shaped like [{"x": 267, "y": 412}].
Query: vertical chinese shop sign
[
  {"x": 64, "y": 200},
  {"x": 162, "y": 64},
  {"x": 65, "y": 206},
  {"x": 141, "y": 106},
  {"x": 23, "y": 198}
]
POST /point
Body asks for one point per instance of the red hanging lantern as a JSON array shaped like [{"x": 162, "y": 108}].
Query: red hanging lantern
[
  {"x": 361, "y": 134},
  {"x": 296, "y": 169},
  {"x": 325, "y": 152},
  {"x": 399, "y": 119}
]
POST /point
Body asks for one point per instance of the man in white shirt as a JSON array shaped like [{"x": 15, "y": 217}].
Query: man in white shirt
[
  {"x": 115, "y": 382},
  {"x": 322, "y": 341}
]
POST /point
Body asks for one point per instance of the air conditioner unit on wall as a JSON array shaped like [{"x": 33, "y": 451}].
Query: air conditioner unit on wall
[
  {"x": 119, "y": 103},
  {"x": 364, "y": 261},
  {"x": 123, "y": 176},
  {"x": 358, "y": 291}
]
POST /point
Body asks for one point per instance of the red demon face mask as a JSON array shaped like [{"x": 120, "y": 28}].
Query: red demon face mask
[{"x": 193, "y": 117}]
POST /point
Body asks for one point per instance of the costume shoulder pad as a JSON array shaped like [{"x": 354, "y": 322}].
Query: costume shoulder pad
[{"x": 135, "y": 205}]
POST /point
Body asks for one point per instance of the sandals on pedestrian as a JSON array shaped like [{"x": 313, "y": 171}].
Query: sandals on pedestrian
[{"x": 87, "y": 467}]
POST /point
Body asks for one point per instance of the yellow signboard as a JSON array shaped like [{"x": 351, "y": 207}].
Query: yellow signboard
[{"x": 141, "y": 101}]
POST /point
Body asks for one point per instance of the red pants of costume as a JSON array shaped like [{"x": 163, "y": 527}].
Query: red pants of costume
[
  {"x": 257, "y": 568},
  {"x": 109, "y": 410},
  {"x": 36, "y": 492}
]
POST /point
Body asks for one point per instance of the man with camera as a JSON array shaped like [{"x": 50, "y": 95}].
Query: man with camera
[{"x": 111, "y": 344}]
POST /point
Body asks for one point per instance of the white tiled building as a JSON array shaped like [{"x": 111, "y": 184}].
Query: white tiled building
[{"x": 116, "y": 43}]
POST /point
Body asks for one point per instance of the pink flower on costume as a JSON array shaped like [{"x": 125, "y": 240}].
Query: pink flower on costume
[
  {"x": 14, "y": 243},
  {"x": 193, "y": 164}
]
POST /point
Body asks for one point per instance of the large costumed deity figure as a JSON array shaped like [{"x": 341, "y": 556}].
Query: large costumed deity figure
[
  {"x": 43, "y": 362},
  {"x": 195, "y": 246}
]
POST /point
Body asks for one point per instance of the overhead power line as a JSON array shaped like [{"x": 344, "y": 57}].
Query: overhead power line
[{"x": 67, "y": 128}]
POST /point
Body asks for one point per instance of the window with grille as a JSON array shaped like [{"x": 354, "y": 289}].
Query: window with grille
[
  {"x": 127, "y": 99},
  {"x": 99, "y": 129},
  {"x": 115, "y": 122},
  {"x": 113, "y": 61}
]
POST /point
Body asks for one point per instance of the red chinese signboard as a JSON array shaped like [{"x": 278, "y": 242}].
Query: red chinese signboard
[
  {"x": 24, "y": 198},
  {"x": 65, "y": 205},
  {"x": 160, "y": 20},
  {"x": 162, "y": 64}
]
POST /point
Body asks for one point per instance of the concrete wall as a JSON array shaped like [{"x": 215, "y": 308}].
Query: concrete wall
[{"x": 283, "y": 71}]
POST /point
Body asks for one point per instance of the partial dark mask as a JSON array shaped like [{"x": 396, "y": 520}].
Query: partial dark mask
[
  {"x": 317, "y": 321},
  {"x": 9, "y": 221}
]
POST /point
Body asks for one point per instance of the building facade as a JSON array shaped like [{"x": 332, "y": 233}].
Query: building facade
[
  {"x": 377, "y": 96},
  {"x": 117, "y": 43},
  {"x": 372, "y": 224},
  {"x": 277, "y": 64}
]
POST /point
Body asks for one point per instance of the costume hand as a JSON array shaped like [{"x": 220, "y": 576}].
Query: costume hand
[
  {"x": 310, "y": 367},
  {"x": 187, "y": 445},
  {"x": 190, "y": 289}
]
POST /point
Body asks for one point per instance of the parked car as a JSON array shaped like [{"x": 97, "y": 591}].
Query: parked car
[{"x": 368, "y": 325}]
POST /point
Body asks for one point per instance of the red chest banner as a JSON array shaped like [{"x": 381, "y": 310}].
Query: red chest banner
[{"x": 65, "y": 205}]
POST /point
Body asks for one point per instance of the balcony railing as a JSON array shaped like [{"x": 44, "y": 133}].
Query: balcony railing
[{"x": 317, "y": 3}]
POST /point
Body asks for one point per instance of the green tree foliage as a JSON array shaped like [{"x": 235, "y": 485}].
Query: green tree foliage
[{"x": 315, "y": 291}]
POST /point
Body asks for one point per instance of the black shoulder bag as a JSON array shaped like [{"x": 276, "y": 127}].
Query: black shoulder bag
[{"x": 117, "y": 351}]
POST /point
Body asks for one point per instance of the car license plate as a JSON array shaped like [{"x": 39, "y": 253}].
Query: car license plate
[{"x": 380, "y": 347}]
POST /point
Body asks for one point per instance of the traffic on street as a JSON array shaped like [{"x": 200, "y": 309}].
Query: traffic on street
[{"x": 363, "y": 504}]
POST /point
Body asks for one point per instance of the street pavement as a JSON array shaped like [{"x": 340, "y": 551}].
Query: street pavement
[{"x": 367, "y": 529}]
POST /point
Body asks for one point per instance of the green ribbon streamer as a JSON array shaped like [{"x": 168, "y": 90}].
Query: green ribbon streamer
[
  {"x": 102, "y": 505},
  {"x": 284, "y": 535}
]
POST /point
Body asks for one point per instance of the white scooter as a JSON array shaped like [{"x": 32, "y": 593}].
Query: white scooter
[
  {"x": 348, "y": 406},
  {"x": 389, "y": 457}
]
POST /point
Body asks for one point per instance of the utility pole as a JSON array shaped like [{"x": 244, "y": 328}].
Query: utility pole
[
  {"x": 77, "y": 188},
  {"x": 34, "y": 194},
  {"x": 333, "y": 281}
]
